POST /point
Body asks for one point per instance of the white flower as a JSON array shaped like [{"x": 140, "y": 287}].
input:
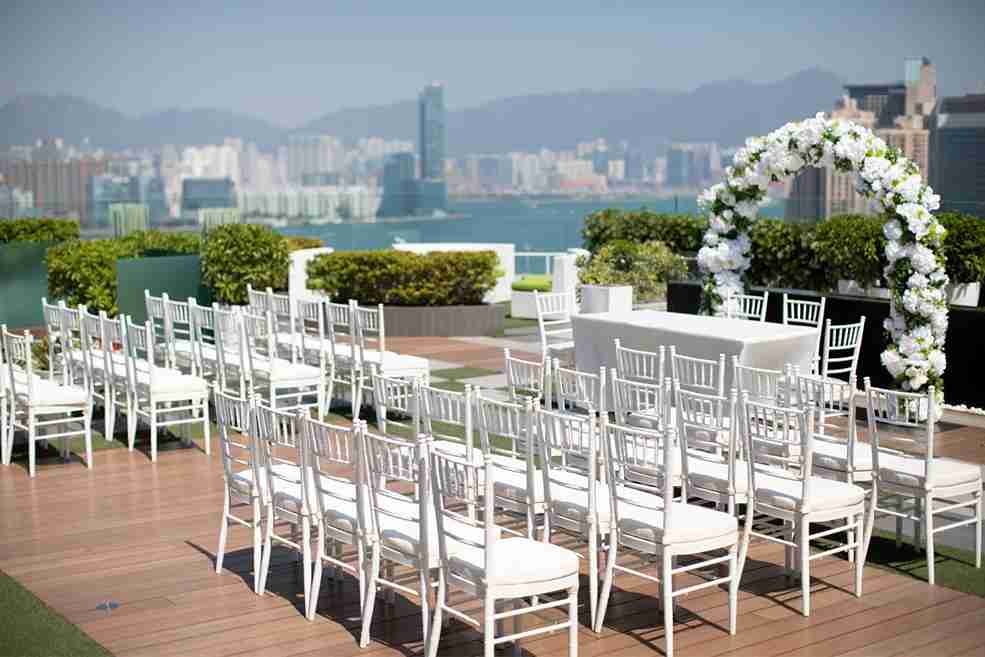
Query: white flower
[
  {"x": 851, "y": 149},
  {"x": 910, "y": 188},
  {"x": 931, "y": 201},
  {"x": 746, "y": 209},
  {"x": 938, "y": 361},
  {"x": 917, "y": 280},
  {"x": 923, "y": 259},
  {"x": 892, "y": 230},
  {"x": 891, "y": 361},
  {"x": 874, "y": 169}
]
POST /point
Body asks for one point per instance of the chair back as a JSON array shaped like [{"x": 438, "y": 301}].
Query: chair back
[
  {"x": 236, "y": 446},
  {"x": 526, "y": 378},
  {"x": 578, "y": 390},
  {"x": 317, "y": 340},
  {"x": 698, "y": 374},
  {"x": 71, "y": 337},
  {"x": 747, "y": 306},
  {"x": 459, "y": 484},
  {"x": 278, "y": 445},
  {"x": 19, "y": 367},
  {"x": 442, "y": 411},
  {"x": 638, "y": 365},
  {"x": 389, "y": 459},
  {"x": 114, "y": 348},
  {"x": 554, "y": 310},
  {"x": 156, "y": 316},
  {"x": 825, "y": 400},
  {"x": 52, "y": 314},
  {"x": 230, "y": 346},
  {"x": 635, "y": 461},
  {"x": 842, "y": 344},
  {"x": 326, "y": 448},
  {"x": 777, "y": 444},
  {"x": 803, "y": 313},
  {"x": 765, "y": 385},
  {"x": 913, "y": 412},
  {"x": 506, "y": 429},
  {"x": 258, "y": 300},
  {"x": 702, "y": 422},
  {"x": 93, "y": 348},
  {"x": 569, "y": 457},
  {"x": 639, "y": 399},
  {"x": 367, "y": 324},
  {"x": 400, "y": 395},
  {"x": 177, "y": 320},
  {"x": 139, "y": 349}
]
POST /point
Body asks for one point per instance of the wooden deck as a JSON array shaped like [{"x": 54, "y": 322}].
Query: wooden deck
[{"x": 142, "y": 536}]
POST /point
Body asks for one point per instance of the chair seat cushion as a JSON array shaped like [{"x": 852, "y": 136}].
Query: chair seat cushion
[
  {"x": 713, "y": 475},
  {"x": 172, "y": 382},
  {"x": 825, "y": 494},
  {"x": 688, "y": 523},
  {"x": 834, "y": 456},
  {"x": 281, "y": 370},
  {"x": 515, "y": 560},
  {"x": 400, "y": 529},
  {"x": 392, "y": 364},
  {"x": 511, "y": 480},
  {"x": 51, "y": 394},
  {"x": 912, "y": 471}
]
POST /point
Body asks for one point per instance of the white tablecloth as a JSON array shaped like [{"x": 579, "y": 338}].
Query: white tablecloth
[{"x": 757, "y": 344}]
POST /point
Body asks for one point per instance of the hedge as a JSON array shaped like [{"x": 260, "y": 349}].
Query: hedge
[
  {"x": 84, "y": 271},
  {"x": 646, "y": 266},
  {"x": 399, "y": 278},
  {"x": 298, "y": 242},
  {"x": 534, "y": 283},
  {"x": 797, "y": 254},
  {"x": 237, "y": 254},
  {"x": 38, "y": 230}
]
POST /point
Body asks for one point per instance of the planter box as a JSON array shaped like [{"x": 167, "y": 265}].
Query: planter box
[
  {"x": 605, "y": 299},
  {"x": 850, "y": 287},
  {"x": 964, "y": 294},
  {"x": 877, "y": 292},
  {"x": 444, "y": 321},
  {"x": 523, "y": 305}
]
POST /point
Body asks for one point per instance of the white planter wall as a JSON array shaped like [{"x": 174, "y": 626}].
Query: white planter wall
[
  {"x": 964, "y": 294},
  {"x": 606, "y": 299},
  {"x": 504, "y": 252},
  {"x": 297, "y": 281},
  {"x": 523, "y": 305}
]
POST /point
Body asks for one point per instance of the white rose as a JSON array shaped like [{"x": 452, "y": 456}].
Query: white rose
[
  {"x": 938, "y": 361},
  {"x": 891, "y": 361},
  {"x": 892, "y": 230}
]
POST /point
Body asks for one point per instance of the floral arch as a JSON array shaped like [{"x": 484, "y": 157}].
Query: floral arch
[{"x": 918, "y": 304}]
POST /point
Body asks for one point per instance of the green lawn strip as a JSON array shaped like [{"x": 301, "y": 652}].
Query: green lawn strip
[
  {"x": 953, "y": 567},
  {"x": 457, "y": 373},
  {"x": 532, "y": 282},
  {"x": 29, "y": 628},
  {"x": 517, "y": 322}
]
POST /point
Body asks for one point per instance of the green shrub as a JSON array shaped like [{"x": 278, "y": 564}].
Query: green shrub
[
  {"x": 85, "y": 271},
  {"x": 783, "y": 256},
  {"x": 533, "y": 282},
  {"x": 400, "y": 278},
  {"x": 647, "y": 267},
  {"x": 146, "y": 242},
  {"x": 237, "y": 254},
  {"x": 680, "y": 232},
  {"x": 964, "y": 247},
  {"x": 38, "y": 230},
  {"x": 298, "y": 242},
  {"x": 850, "y": 247}
]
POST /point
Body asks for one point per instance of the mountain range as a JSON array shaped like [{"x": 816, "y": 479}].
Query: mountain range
[{"x": 726, "y": 112}]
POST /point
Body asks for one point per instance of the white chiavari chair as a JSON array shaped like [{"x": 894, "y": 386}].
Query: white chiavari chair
[
  {"x": 506, "y": 433},
  {"x": 798, "y": 312},
  {"x": 95, "y": 354},
  {"x": 444, "y": 414},
  {"x": 698, "y": 374},
  {"x": 40, "y": 407},
  {"x": 838, "y": 454},
  {"x": 346, "y": 367},
  {"x": 710, "y": 450},
  {"x": 286, "y": 330},
  {"x": 403, "y": 527},
  {"x": 779, "y": 452},
  {"x": 339, "y": 504},
  {"x": 747, "y": 306},
  {"x": 648, "y": 522},
  {"x": 554, "y": 311},
  {"x": 6, "y": 431},
  {"x": 639, "y": 403},
  {"x": 257, "y": 300},
  {"x": 157, "y": 316},
  {"x": 936, "y": 485},
  {"x": 161, "y": 396},
  {"x": 71, "y": 336},
  {"x": 639, "y": 365},
  {"x": 526, "y": 378},
  {"x": 474, "y": 557},
  {"x": 283, "y": 383},
  {"x": 397, "y": 405},
  {"x": 119, "y": 399},
  {"x": 765, "y": 385},
  {"x": 277, "y": 466},
  {"x": 238, "y": 451},
  {"x": 52, "y": 314},
  {"x": 575, "y": 500},
  {"x": 369, "y": 331},
  {"x": 842, "y": 344}
]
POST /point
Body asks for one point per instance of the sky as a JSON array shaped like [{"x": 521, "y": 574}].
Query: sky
[{"x": 292, "y": 61}]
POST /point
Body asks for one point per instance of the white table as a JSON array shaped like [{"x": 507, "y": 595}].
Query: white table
[{"x": 757, "y": 344}]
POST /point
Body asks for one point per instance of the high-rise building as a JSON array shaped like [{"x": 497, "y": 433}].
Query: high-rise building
[
  {"x": 59, "y": 187},
  {"x": 957, "y": 153},
  {"x": 16, "y": 202},
  {"x": 398, "y": 186},
  {"x": 199, "y": 193},
  {"x": 692, "y": 165},
  {"x": 313, "y": 154},
  {"x": 634, "y": 166},
  {"x": 431, "y": 131}
]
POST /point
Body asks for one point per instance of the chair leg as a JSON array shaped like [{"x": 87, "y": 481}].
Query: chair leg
[
  {"x": 265, "y": 559},
  {"x": 851, "y": 539},
  {"x": 489, "y": 626},
  {"x": 316, "y": 577},
  {"x": 928, "y": 522},
  {"x": 859, "y": 553},
  {"x": 978, "y": 528},
  {"x": 153, "y": 432},
  {"x": 434, "y": 638},
  {"x": 220, "y": 551},
  {"x": 573, "y": 622},
  {"x": 804, "y": 549},
  {"x": 593, "y": 574},
  {"x": 374, "y": 569},
  {"x": 31, "y": 439},
  {"x": 667, "y": 598},
  {"x": 207, "y": 426},
  {"x": 131, "y": 424},
  {"x": 610, "y": 571},
  {"x": 424, "y": 588},
  {"x": 257, "y": 543},
  {"x": 87, "y": 425}
]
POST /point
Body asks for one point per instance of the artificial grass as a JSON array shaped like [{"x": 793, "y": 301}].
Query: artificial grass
[
  {"x": 29, "y": 628},
  {"x": 953, "y": 567},
  {"x": 457, "y": 373},
  {"x": 533, "y": 282}
]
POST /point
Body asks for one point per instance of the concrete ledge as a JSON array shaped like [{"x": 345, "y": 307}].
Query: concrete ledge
[{"x": 444, "y": 321}]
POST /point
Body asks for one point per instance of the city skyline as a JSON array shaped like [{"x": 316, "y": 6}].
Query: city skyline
[{"x": 248, "y": 60}]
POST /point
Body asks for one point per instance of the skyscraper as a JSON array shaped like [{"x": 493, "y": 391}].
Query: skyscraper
[
  {"x": 399, "y": 192},
  {"x": 431, "y": 133},
  {"x": 957, "y": 153}
]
